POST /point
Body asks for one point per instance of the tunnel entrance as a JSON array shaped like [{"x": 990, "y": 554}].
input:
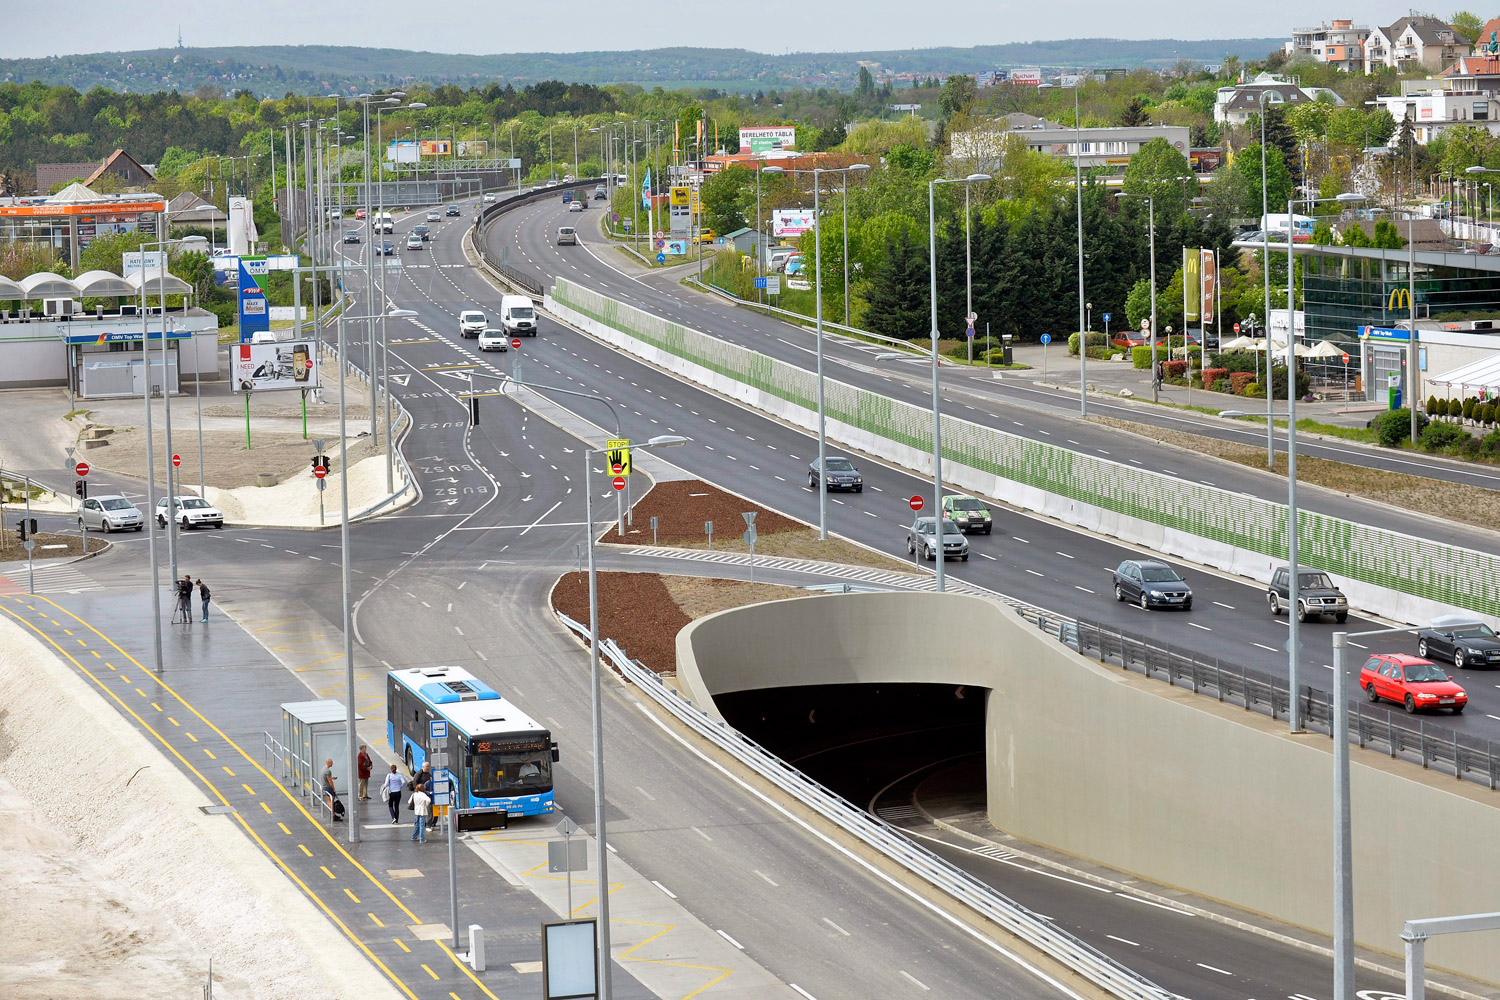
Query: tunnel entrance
[{"x": 877, "y": 745}]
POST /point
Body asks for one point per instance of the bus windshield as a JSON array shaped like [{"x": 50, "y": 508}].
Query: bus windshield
[{"x": 496, "y": 775}]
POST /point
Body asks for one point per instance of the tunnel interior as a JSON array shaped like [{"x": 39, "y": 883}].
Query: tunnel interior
[{"x": 877, "y": 745}]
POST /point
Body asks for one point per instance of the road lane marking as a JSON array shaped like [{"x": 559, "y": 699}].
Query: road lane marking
[{"x": 1132, "y": 944}]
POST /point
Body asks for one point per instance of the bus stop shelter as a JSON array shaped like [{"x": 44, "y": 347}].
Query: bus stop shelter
[{"x": 311, "y": 733}]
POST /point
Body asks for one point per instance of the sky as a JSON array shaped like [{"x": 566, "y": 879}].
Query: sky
[{"x": 64, "y": 27}]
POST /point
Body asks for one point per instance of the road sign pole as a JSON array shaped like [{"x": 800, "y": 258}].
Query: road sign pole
[{"x": 30, "y": 542}]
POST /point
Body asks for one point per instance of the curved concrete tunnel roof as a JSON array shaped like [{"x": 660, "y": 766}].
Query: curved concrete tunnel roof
[{"x": 1149, "y": 779}]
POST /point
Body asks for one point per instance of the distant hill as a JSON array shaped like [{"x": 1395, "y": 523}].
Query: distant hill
[{"x": 274, "y": 70}]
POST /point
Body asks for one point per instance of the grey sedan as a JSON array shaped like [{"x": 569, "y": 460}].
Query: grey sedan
[
  {"x": 109, "y": 513},
  {"x": 841, "y": 475},
  {"x": 922, "y": 536}
]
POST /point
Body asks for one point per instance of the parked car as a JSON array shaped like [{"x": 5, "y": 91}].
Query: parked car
[
  {"x": 567, "y": 236},
  {"x": 488, "y": 197},
  {"x": 423, "y": 232},
  {"x": 969, "y": 513},
  {"x": 109, "y": 513},
  {"x": 351, "y": 236},
  {"x": 841, "y": 475},
  {"x": 922, "y": 536},
  {"x": 190, "y": 512},
  {"x": 385, "y": 249},
  {"x": 795, "y": 265},
  {"x": 433, "y": 215},
  {"x": 1316, "y": 595},
  {"x": 471, "y": 322},
  {"x": 576, "y": 205},
  {"x": 707, "y": 236},
  {"x": 413, "y": 241},
  {"x": 1412, "y": 682},
  {"x": 1151, "y": 584},
  {"x": 518, "y": 315},
  {"x": 1131, "y": 338},
  {"x": 1461, "y": 639},
  {"x": 491, "y": 339},
  {"x": 452, "y": 210},
  {"x": 779, "y": 256}
]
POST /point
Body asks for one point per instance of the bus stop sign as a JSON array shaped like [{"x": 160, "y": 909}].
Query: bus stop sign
[{"x": 437, "y": 729}]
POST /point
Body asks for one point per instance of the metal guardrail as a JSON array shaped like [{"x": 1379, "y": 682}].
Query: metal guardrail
[
  {"x": 1076, "y": 954},
  {"x": 529, "y": 283},
  {"x": 1466, "y": 757}
]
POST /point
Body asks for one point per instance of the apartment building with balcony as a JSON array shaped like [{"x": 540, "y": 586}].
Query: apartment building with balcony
[
  {"x": 1339, "y": 43},
  {"x": 1414, "y": 41}
]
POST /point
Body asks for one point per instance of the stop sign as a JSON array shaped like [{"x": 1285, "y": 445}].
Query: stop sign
[
  {"x": 515, "y": 342},
  {"x": 916, "y": 503},
  {"x": 82, "y": 468},
  {"x": 619, "y": 483},
  {"x": 319, "y": 471},
  {"x": 176, "y": 460}
]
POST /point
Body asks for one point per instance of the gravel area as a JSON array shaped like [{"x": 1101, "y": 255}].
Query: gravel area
[{"x": 48, "y": 545}]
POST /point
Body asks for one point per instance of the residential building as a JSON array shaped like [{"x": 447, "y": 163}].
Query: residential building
[
  {"x": 1238, "y": 104},
  {"x": 1466, "y": 93},
  {"x": 119, "y": 164},
  {"x": 1339, "y": 43},
  {"x": 1414, "y": 41},
  {"x": 1488, "y": 42},
  {"x": 1094, "y": 147}
]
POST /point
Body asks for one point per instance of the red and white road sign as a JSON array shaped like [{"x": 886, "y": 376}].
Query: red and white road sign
[
  {"x": 319, "y": 471},
  {"x": 515, "y": 342},
  {"x": 176, "y": 460},
  {"x": 1345, "y": 358},
  {"x": 619, "y": 483},
  {"x": 916, "y": 503},
  {"x": 82, "y": 468},
  {"x": 617, "y": 468},
  {"x": 1236, "y": 328}
]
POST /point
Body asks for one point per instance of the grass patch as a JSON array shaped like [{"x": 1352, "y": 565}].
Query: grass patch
[
  {"x": 1450, "y": 501},
  {"x": 1363, "y": 434}
]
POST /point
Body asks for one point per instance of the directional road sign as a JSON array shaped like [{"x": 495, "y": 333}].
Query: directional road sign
[
  {"x": 1046, "y": 338},
  {"x": 1106, "y": 317},
  {"x": 916, "y": 503},
  {"x": 661, "y": 258},
  {"x": 82, "y": 468}
]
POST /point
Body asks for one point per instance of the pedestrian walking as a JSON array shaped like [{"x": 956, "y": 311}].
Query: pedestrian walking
[
  {"x": 205, "y": 595},
  {"x": 366, "y": 767},
  {"x": 1161, "y": 372},
  {"x": 390, "y": 790},
  {"x": 421, "y": 803}
]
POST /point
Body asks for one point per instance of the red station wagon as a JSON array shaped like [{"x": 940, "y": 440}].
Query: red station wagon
[{"x": 1410, "y": 681}]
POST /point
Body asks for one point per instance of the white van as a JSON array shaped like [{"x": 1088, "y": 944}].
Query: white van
[
  {"x": 385, "y": 224},
  {"x": 518, "y": 315}
]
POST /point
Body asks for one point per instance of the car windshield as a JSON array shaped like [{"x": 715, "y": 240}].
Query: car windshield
[
  {"x": 966, "y": 503},
  {"x": 118, "y": 503},
  {"x": 524, "y": 312},
  {"x": 840, "y": 465},
  {"x": 193, "y": 503},
  {"x": 1473, "y": 632},
  {"x": 472, "y": 317},
  {"x": 1315, "y": 581},
  {"x": 949, "y": 528},
  {"x": 1420, "y": 673},
  {"x": 499, "y": 774},
  {"x": 1159, "y": 574}
]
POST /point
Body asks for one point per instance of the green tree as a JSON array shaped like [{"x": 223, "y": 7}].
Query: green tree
[
  {"x": 957, "y": 94},
  {"x": 1467, "y": 24},
  {"x": 1278, "y": 180},
  {"x": 897, "y": 297},
  {"x": 865, "y": 90},
  {"x": 1159, "y": 170},
  {"x": 1308, "y": 122},
  {"x": 911, "y": 159},
  {"x": 106, "y": 253},
  {"x": 1134, "y": 115},
  {"x": 1323, "y": 234}
]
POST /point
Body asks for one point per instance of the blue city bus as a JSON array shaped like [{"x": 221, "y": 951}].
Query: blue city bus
[{"x": 500, "y": 758}]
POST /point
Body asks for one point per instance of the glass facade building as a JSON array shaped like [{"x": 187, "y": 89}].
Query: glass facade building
[{"x": 1343, "y": 291}]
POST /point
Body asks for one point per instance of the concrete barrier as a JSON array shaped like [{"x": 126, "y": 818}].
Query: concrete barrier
[{"x": 1148, "y": 779}]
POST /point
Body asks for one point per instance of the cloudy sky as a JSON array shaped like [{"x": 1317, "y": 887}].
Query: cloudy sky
[{"x": 58, "y": 27}]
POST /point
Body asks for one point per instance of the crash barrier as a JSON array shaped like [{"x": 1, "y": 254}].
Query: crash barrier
[
  {"x": 1385, "y": 572},
  {"x": 527, "y": 281},
  {"x": 1035, "y": 930}
]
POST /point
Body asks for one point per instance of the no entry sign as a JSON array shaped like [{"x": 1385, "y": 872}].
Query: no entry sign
[
  {"x": 319, "y": 471},
  {"x": 619, "y": 483},
  {"x": 82, "y": 468},
  {"x": 515, "y": 342},
  {"x": 176, "y": 460},
  {"x": 916, "y": 503}
]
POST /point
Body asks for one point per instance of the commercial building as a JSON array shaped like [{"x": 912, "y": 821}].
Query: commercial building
[
  {"x": 1466, "y": 93},
  {"x": 1110, "y": 147},
  {"x": 1414, "y": 41},
  {"x": 71, "y": 219},
  {"x": 1339, "y": 43}
]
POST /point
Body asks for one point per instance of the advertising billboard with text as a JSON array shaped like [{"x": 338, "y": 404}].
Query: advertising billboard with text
[
  {"x": 767, "y": 140},
  {"x": 436, "y": 147},
  {"x": 791, "y": 221},
  {"x": 287, "y": 365},
  {"x": 473, "y": 149}
]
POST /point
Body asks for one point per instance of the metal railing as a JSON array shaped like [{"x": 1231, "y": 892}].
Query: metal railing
[
  {"x": 529, "y": 283},
  {"x": 1039, "y": 933},
  {"x": 1466, "y": 757},
  {"x": 287, "y": 765}
]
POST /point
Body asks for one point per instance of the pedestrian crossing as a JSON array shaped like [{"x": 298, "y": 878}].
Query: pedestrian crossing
[{"x": 50, "y": 579}]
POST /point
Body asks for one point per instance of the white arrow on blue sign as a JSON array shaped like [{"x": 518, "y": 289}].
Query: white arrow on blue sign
[
  {"x": 1106, "y": 317},
  {"x": 661, "y": 258},
  {"x": 1046, "y": 338}
]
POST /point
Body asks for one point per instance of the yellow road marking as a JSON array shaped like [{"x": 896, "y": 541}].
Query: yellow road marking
[
  {"x": 190, "y": 736},
  {"x": 210, "y": 753},
  {"x": 95, "y": 652},
  {"x": 249, "y": 830},
  {"x": 377, "y": 920},
  {"x": 266, "y": 806},
  {"x": 173, "y": 721},
  {"x": 284, "y": 829},
  {"x": 68, "y": 631},
  {"x": 141, "y": 692},
  {"x": 156, "y": 706},
  {"x": 80, "y": 642},
  {"x": 402, "y": 944},
  {"x": 125, "y": 678},
  {"x": 304, "y": 850},
  {"x": 351, "y": 895},
  {"x": 464, "y": 968},
  {"x": 327, "y": 872},
  {"x": 228, "y": 771},
  {"x": 251, "y": 791},
  {"x": 428, "y": 969}
]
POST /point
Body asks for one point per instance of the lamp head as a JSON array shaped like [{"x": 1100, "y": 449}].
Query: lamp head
[
  {"x": 667, "y": 441},
  {"x": 1474, "y": 170},
  {"x": 859, "y": 166},
  {"x": 976, "y": 178}
]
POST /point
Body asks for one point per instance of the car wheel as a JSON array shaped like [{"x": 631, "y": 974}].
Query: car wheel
[
  {"x": 1119, "y": 594},
  {"x": 911, "y": 547},
  {"x": 1458, "y": 658},
  {"x": 138, "y": 527},
  {"x": 859, "y": 489},
  {"x": 1275, "y": 604},
  {"x": 1422, "y": 648},
  {"x": 1370, "y": 692},
  {"x": 812, "y": 481},
  {"x": 1303, "y": 615},
  {"x": 1411, "y": 705},
  {"x": 220, "y": 525},
  {"x": 83, "y": 528},
  {"x": 1145, "y": 602},
  {"x": 1458, "y": 710},
  {"x": 927, "y": 551},
  {"x": 1341, "y": 617},
  {"x": 988, "y": 529},
  {"x": 186, "y": 525},
  {"x": 964, "y": 557},
  {"x": 1187, "y": 605}
]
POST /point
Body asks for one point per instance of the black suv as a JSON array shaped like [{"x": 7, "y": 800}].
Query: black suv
[
  {"x": 423, "y": 232},
  {"x": 1151, "y": 584},
  {"x": 1316, "y": 595},
  {"x": 451, "y": 211},
  {"x": 1461, "y": 640}
]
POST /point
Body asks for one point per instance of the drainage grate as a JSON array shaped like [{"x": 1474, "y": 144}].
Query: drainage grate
[{"x": 218, "y": 810}]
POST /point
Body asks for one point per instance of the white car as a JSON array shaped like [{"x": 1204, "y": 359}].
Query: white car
[
  {"x": 434, "y": 216},
  {"x": 471, "y": 323},
  {"x": 489, "y": 196},
  {"x": 109, "y": 513},
  {"x": 191, "y": 512},
  {"x": 414, "y": 241},
  {"x": 491, "y": 339}
]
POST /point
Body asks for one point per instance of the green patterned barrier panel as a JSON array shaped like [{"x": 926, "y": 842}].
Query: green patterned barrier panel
[{"x": 1431, "y": 570}]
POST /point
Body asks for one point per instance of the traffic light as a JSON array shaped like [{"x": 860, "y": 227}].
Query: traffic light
[
  {"x": 25, "y": 528},
  {"x": 473, "y": 411},
  {"x": 318, "y": 460},
  {"x": 81, "y": 488}
]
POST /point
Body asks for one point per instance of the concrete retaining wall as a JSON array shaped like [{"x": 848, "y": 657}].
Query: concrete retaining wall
[{"x": 1145, "y": 778}]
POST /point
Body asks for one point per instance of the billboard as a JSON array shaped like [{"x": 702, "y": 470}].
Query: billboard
[
  {"x": 255, "y": 316},
  {"x": 766, "y": 140},
  {"x": 289, "y": 365},
  {"x": 473, "y": 148},
  {"x": 436, "y": 147},
  {"x": 791, "y": 221},
  {"x": 1026, "y": 77},
  {"x": 241, "y": 229},
  {"x": 682, "y": 203},
  {"x": 151, "y": 261},
  {"x": 404, "y": 151},
  {"x": 1192, "y": 285}
]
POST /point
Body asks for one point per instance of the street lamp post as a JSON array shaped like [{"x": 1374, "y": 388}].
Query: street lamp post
[
  {"x": 937, "y": 417},
  {"x": 1083, "y": 340},
  {"x": 1265, "y": 266},
  {"x": 1151, "y": 229},
  {"x": 601, "y": 844}
]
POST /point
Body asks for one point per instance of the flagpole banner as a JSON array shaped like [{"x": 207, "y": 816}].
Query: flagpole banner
[
  {"x": 1192, "y": 286},
  {"x": 1210, "y": 280},
  {"x": 646, "y": 189}
]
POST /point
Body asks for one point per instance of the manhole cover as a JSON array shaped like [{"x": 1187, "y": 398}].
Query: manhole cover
[{"x": 218, "y": 810}]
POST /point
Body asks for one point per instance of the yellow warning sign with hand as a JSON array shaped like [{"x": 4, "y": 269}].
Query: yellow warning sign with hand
[{"x": 617, "y": 456}]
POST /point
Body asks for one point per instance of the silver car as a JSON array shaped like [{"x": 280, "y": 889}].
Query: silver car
[
  {"x": 922, "y": 536},
  {"x": 109, "y": 513}
]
